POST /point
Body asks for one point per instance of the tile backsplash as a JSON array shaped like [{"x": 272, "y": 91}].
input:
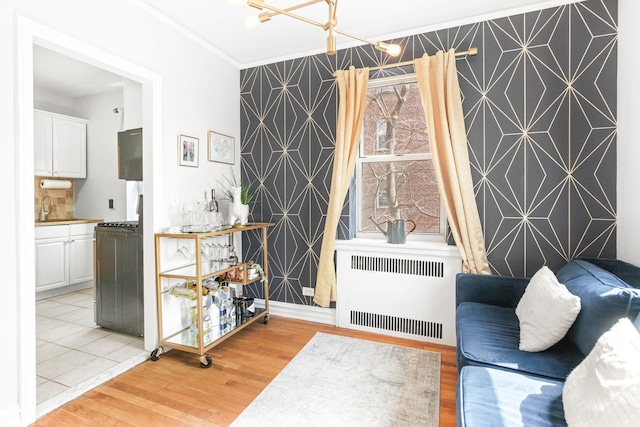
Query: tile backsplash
[{"x": 63, "y": 199}]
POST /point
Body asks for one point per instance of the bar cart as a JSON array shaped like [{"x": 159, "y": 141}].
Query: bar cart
[{"x": 184, "y": 265}]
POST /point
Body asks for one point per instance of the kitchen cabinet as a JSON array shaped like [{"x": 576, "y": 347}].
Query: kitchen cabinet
[
  {"x": 60, "y": 145},
  {"x": 181, "y": 260},
  {"x": 64, "y": 255},
  {"x": 51, "y": 260},
  {"x": 80, "y": 253}
]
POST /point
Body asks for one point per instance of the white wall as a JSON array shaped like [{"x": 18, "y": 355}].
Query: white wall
[
  {"x": 8, "y": 262},
  {"x": 132, "y": 114},
  {"x": 198, "y": 92},
  {"x": 53, "y": 103},
  {"x": 628, "y": 143},
  {"x": 102, "y": 183}
]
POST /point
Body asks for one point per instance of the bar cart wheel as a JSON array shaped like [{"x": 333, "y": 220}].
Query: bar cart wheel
[
  {"x": 155, "y": 354},
  {"x": 265, "y": 319},
  {"x": 205, "y": 361}
]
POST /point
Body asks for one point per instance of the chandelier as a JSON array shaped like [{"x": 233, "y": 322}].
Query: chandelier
[{"x": 329, "y": 26}]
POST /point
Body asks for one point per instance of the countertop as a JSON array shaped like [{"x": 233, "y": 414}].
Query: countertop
[{"x": 68, "y": 221}]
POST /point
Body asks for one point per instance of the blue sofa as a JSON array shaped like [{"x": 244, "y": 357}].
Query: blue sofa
[{"x": 499, "y": 385}]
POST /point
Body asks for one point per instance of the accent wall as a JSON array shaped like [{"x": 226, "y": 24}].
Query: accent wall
[{"x": 540, "y": 111}]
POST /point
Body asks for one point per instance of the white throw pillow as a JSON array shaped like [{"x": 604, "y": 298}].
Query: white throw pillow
[
  {"x": 546, "y": 311},
  {"x": 604, "y": 389}
]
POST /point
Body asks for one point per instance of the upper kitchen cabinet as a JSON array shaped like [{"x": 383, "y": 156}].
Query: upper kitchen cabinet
[{"x": 60, "y": 145}]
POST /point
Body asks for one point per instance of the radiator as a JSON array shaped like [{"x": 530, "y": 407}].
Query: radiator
[{"x": 404, "y": 290}]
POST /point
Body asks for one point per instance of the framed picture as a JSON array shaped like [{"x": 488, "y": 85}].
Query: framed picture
[
  {"x": 188, "y": 151},
  {"x": 222, "y": 148}
]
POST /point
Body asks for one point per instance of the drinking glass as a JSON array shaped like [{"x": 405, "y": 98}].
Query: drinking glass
[{"x": 187, "y": 209}]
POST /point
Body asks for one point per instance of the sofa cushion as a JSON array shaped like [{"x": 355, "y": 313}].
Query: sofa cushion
[
  {"x": 493, "y": 397},
  {"x": 489, "y": 335},
  {"x": 628, "y": 273},
  {"x": 605, "y": 388},
  {"x": 546, "y": 311},
  {"x": 604, "y": 298}
]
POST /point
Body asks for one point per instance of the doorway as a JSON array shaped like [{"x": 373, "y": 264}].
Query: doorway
[
  {"x": 71, "y": 350},
  {"x": 30, "y": 34}
]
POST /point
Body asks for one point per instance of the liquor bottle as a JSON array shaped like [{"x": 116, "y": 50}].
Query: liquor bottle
[
  {"x": 206, "y": 326},
  {"x": 231, "y": 314},
  {"x": 193, "y": 327},
  {"x": 222, "y": 311},
  {"x": 213, "y": 204}
]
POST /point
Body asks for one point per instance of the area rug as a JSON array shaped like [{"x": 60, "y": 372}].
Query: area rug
[{"x": 342, "y": 381}]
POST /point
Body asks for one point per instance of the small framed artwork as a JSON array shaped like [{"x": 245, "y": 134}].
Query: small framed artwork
[
  {"x": 222, "y": 148},
  {"x": 188, "y": 151}
]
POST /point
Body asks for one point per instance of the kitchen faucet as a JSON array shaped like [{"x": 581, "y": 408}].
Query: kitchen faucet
[{"x": 45, "y": 212}]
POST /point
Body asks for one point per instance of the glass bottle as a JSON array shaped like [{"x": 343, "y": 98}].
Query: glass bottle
[
  {"x": 222, "y": 311},
  {"x": 213, "y": 203},
  {"x": 214, "y": 315},
  {"x": 233, "y": 258},
  {"x": 206, "y": 325},
  {"x": 231, "y": 314}
]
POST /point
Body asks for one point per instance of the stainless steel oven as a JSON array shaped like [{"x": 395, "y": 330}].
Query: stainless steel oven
[{"x": 119, "y": 277}]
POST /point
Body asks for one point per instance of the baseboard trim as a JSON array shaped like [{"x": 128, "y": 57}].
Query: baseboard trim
[
  {"x": 10, "y": 416},
  {"x": 301, "y": 312},
  {"x": 63, "y": 290}
]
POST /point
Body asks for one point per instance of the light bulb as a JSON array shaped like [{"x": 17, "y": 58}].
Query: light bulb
[
  {"x": 237, "y": 1},
  {"x": 251, "y": 22},
  {"x": 394, "y": 50},
  {"x": 389, "y": 49}
]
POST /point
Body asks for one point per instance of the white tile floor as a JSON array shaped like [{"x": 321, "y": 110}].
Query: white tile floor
[{"x": 72, "y": 353}]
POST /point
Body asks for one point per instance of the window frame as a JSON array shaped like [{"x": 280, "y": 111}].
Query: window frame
[{"x": 380, "y": 156}]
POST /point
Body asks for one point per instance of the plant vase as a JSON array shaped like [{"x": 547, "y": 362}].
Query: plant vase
[{"x": 239, "y": 212}]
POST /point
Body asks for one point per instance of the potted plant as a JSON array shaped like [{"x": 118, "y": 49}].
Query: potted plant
[{"x": 255, "y": 270}]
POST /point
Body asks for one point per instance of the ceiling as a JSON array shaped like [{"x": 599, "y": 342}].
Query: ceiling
[
  {"x": 52, "y": 71},
  {"x": 221, "y": 22},
  {"x": 219, "y": 25}
]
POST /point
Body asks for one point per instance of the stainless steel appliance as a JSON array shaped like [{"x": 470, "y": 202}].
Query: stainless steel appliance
[
  {"x": 130, "y": 155},
  {"x": 119, "y": 275}
]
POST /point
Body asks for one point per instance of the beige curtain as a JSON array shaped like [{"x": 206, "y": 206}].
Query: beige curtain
[
  {"x": 440, "y": 93},
  {"x": 352, "y": 89}
]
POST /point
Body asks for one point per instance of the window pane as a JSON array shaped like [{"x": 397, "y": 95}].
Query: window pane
[
  {"x": 402, "y": 189},
  {"x": 394, "y": 122}
]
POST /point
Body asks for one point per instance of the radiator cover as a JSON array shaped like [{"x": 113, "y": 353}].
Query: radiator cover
[{"x": 404, "y": 290}]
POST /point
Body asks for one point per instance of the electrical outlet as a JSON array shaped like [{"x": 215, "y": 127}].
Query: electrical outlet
[
  {"x": 110, "y": 203},
  {"x": 308, "y": 292}
]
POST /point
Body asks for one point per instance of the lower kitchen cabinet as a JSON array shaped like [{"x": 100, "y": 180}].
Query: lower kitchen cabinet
[
  {"x": 80, "y": 254},
  {"x": 64, "y": 255}
]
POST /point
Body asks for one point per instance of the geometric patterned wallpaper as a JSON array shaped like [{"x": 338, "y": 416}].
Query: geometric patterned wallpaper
[{"x": 540, "y": 110}]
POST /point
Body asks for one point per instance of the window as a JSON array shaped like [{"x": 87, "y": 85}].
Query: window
[
  {"x": 381, "y": 199},
  {"x": 381, "y": 136},
  {"x": 394, "y": 172}
]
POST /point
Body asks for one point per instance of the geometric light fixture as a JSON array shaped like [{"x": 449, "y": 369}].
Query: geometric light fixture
[{"x": 329, "y": 26}]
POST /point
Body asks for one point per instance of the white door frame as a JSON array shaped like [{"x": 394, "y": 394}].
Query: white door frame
[{"x": 29, "y": 33}]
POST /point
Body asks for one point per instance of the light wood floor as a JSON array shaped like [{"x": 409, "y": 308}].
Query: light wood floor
[{"x": 176, "y": 391}]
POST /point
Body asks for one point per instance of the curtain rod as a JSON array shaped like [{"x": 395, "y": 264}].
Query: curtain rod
[{"x": 471, "y": 52}]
